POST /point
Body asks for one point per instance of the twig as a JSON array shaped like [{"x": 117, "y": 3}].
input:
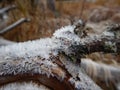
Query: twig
[
  {"x": 6, "y": 9},
  {"x": 17, "y": 23},
  {"x": 82, "y": 8}
]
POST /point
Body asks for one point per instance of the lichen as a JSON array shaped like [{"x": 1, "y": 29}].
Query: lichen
[
  {"x": 35, "y": 56},
  {"x": 109, "y": 45}
]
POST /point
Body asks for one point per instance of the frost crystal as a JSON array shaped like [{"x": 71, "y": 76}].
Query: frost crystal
[
  {"x": 35, "y": 57},
  {"x": 23, "y": 86},
  {"x": 79, "y": 78}
]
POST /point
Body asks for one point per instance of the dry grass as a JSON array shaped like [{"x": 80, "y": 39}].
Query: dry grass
[
  {"x": 36, "y": 28},
  {"x": 43, "y": 22}
]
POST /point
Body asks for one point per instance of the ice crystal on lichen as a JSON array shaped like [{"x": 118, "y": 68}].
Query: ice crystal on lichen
[{"x": 35, "y": 57}]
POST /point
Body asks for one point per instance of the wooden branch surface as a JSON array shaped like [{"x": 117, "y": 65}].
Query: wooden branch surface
[{"x": 40, "y": 57}]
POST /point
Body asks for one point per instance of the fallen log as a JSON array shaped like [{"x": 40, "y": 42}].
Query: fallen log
[{"x": 54, "y": 62}]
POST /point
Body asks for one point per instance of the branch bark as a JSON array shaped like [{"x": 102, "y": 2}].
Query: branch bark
[{"x": 51, "y": 59}]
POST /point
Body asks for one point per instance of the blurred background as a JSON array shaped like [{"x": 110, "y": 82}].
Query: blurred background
[{"x": 48, "y": 15}]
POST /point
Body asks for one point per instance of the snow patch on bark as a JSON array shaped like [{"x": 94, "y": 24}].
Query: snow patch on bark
[{"x": 23, "y": 86}]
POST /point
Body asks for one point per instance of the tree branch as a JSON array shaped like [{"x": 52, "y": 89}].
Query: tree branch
[
  {"x": 17, "y": 23},
  {"x": 41, "y": 56}
]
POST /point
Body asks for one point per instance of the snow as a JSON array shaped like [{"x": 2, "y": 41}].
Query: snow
[
  {"x": 67, "y": 33},
  {"x": 61, "y": 40},
  {"x": 27, "y": 49},
  {"x": 41, "y": 47},
  {"x": 27, "y": 66},
  {"x": 34, "y": 57},
  {"x": 79, "y": 79},
  {"x": 108, "y": 34},
  {"x": 23, "y": 86}
]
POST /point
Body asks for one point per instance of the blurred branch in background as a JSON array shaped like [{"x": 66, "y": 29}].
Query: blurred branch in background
[
  {"x": 4, "y": 15},
  {"x": 17, "y": 23},
  {"x": 4, "y": 28}
]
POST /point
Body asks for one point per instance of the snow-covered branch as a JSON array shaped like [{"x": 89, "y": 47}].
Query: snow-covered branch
[{"x": 51, "y": 60}]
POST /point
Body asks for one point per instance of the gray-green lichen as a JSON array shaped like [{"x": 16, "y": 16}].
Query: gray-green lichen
[
  {"x": 110, "y": 46},
  {"x": 24, "y": 57}
]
